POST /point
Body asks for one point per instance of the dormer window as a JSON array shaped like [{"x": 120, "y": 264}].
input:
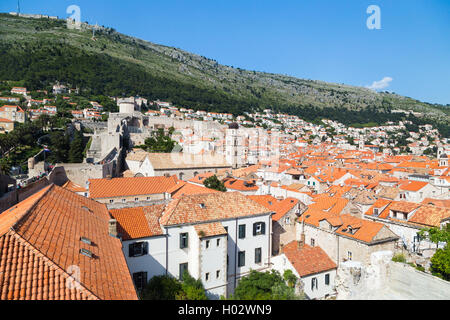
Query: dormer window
[
  {"x": 375, "y": 211},
  {"x": 202, "y": 205}
]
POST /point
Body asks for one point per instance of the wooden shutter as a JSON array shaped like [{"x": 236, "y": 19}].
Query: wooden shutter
[
  {"x": 263, "y": 228},
  {"x": 255, "y": 225},
  {"x": 131, "y": 250},
  {"x": 145, "y": 247}
]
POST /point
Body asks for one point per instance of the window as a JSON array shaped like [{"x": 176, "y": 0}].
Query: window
[
  {"x": 111, "y": 201},
  {"x": 148, "y": 198},
  {"x": 207, "y": 276},
  {"x": 136, "y": 199},
  {"x": 228, "y": 260},
  {"x": 314, "y": 284},
  {"x": 241, "y": 258},
  {"x": 259, "y": 228},
  {"x": 327, "y": 279},
  {"x": 218, "y": 242},
  {"x": 183, "y": 240},
  {"x": 287, "y": 220},
  {"x": 349, "y": 255},
  {"x": 241, "y": 231},
  {"x": 375, "y": 211},
  {"x": 183, "y": 267},
  {"x": 217, "y": 274},
  {"x": 123, "y": 200},
  {"x": 258, "y": 255},
  {"x": 140, "y": 280},
  {"x": 137, "y": 249},
  {"x": 207, "y": 244},
  {"x": 313, "y": 242}
]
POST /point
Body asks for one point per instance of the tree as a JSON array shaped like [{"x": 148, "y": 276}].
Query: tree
[
  {"x": 440, "y": 262},
  {"x": 159, "y": 142},
  {"x": 264, "y": 286},
  {"x": 5, "y": 166},
  {"x": 290, "y": 278},
  {"x": 76, "y": 148},
  {"x": 162, "y": 288},
  {"x": 192, "y": 289},
  {"x": 59, "y": 147},
  {"x": 214, "y": 183}
]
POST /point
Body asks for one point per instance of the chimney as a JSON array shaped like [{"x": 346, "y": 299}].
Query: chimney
[
  {"x": 301, "y": 243},
  {"x": 112, "y": 227}
]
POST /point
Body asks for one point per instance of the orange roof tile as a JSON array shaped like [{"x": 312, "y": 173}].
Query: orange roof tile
[
  {"x": 207, "y": 207},
  {"x": 69, "y": 185},
  {"x": 210, "y": 229},
  {"x": 138, "y": 222},
  {"x": 308, "y": 260},
  {"x": 413, "y": 186},
  {"x": 37, "y": 253},
  {"x": 119, "y": 187}
]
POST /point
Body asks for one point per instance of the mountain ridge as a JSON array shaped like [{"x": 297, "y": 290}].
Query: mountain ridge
[{"x": 210, "y": 80}]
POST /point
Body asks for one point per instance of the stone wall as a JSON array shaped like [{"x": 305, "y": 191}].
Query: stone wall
[
  {"x": 384, "y": 279},
  {"x": 15, "y": 196}
]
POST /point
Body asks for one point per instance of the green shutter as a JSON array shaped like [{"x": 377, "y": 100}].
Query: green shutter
[{"x": 131, "y": 250}]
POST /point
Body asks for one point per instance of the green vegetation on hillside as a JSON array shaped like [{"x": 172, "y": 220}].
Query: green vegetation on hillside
[{"x": 40, "y": 52}]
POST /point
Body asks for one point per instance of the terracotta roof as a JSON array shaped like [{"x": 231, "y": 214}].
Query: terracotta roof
[
  {"x": 208, "y": 207},
  {"x": 69, "y": 185},
  {"x": 199, "y": 178},
  {"x": 185, "y": 188},
  {"x": 119, "y": 187},
  {"x": 40, "y": 242},
  {"x": 281, "y": 207},
  {"x": 5, "y": 120},
  {"x": 430, "y": 215},
  {"x": 138, "y": 222},
  {"x": 366, "y": 230},
  {"x": 413, "y": 186},
  {"x": 437, "y": 202},
  {"x": 404, "y": 206},
  {"x": 210, "y": 229},
  {"x": 308, "y": 260},
  {"x": 240, "y": 185}
]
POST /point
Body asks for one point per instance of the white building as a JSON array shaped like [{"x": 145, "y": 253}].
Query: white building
[
  {"x": 217, "y": 237},
  {"x": 314, "y": 268}
]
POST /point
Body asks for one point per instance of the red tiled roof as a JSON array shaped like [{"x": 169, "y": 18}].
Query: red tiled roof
[
  {"x": 280, "y": 207},
  {"x": 119, "y": 187},
  {"x": 240, "y": 185},
  {"x": 413, "y": 186},
  {"x": 42, "y": 244},
  {"x": 308, "y": 260},
  {"x": 210, "y": 229},
  {"x": 216, "y": 206},
  {"x": 138, "y": 222},
  {"x": 69, "y": 185},
  {"x": 185, "y": 188}
]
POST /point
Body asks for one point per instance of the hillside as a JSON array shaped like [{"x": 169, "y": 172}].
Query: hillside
[{"x": 41, "y": 51}]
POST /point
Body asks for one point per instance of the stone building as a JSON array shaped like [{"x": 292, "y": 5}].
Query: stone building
[{"x": 345, "y": 237}]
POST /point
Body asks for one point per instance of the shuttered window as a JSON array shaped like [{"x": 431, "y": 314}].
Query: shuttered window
[
  {"x": 138, "y": 249},
  {"x": 259, "y": 228}
]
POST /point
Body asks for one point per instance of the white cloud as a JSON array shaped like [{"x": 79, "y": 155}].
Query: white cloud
[{"x": 377, "y": 85}]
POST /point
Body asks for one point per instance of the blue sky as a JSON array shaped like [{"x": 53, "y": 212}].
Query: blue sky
[{"x": 313, "y": 39}]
